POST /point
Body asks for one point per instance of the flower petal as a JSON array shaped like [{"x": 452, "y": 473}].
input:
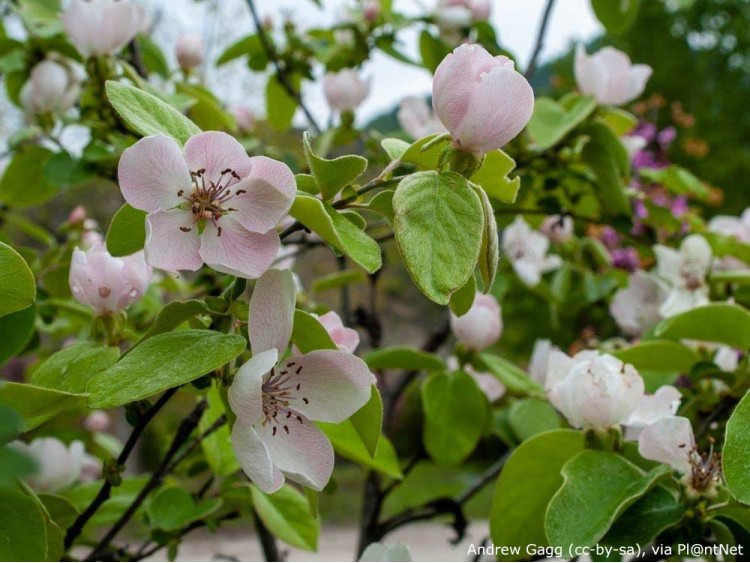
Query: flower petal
[
  {"x": 301, "y": 451},
  {"x": 668, "y": 440},
  {"x": 272, "y": 311},
  {"x": 269, "y": 192},
  {"x": 333, "y": 385},
  {"x": 169, "y": 247},
  {"x": 237, "y": 251},
  {"x": 255, "y": 459},
  {"x": 152, "y": 172},
  {"x": 215, "y": 152},
  {"x": 245, "y": 395}
]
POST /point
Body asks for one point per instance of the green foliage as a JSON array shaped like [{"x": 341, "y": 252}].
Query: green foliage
[
  {"x": 280, "y": 106},
  {"x": 71, "y": 368},
  {"x": 432, "y": 49},
  {"x": 530, "y": 416},
  {"x": 514, "y": 378},
  {"x": 37, "y": 405},
  {"x": 650, "y": 515},
  {"x": 608, "y": 159},
  {"x": 489, "y": 253},
  {"x": 552, "y": 121},
  {"x": 23, "y": 183},
  {"x": 368, "y": 422},
  {"x": 332, "y": 175},
  {"x": 736, "y": 453},
  {"x": 23, "y": 530},
  {"x": 17, "y": 284},
  {"x": 217, "y": 446},
  {"x": 173, "y": 508},
  {"x": 659, "y": 355},
  {"x": 492, "y": 175},
  {"x": 16, "y": 329},
  {"x": 147, "y": 115},
  {"x": 462, "y": 300},
  {"x": 13, "y": 463},
  {"x": 180, "y": 357},
  {"x": 617, "y": 16},
  {"x": 348, "y": 443},
  {"x": 718, "y": 322},
  {"x": 403, "y": 357},
  {"x": 308, "y": 334},
  {"x": 287, "y": 515},
  {"x": 173, "y": 314},
  {"x": 439, "y": 227}
]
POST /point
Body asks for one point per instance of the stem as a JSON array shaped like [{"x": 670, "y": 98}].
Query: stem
[
  {"x": 280, "y": 70},
  {"x": 345, "y": 295},
  {"x": 539, "y": 45},
  {"x": 104, "y": 492},
  {"x": 267, "y": 541},
  {"x": 183, "y": 433}
]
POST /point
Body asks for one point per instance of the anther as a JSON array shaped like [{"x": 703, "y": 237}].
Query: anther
[{"x": 186, "y": 229}]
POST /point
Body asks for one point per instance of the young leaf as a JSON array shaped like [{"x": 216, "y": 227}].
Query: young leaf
[
  {"x": 23, "y": 183},
  {"x": 16, "y": 330},
  {"x": 493, "y": 177},
  {"x": 659, "y": 355},
  {"x": 403, "y": 357},
  {"x": 368, "y": 421},
  {"x": 489, "y": 255},
  {"x": 308, "y": 334},
  {"x": 439, "y": 226},
  {"x": 332, "y": 175},
  {"x": 462, "y": 300},
  {"x": 552, "y": 121},
  {"x": 617, "y": 17},
  {"x": 287, "y": 515},
  {"x": 280, "y": 106},
  {"x": 71, "y": 368},
  {"x": 17, "y": 285}
]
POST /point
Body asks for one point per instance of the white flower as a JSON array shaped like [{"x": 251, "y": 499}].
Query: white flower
[
  {"x": 381, "y": 552},
  {"x": 735, "y": 227},
  {"x": 669, "y": 440},
  {"x": 727, "y": 358},
  {"x": 58, "y": 466},
  {"x": 52, "y": 87},
  {"x": 609, "y": 76},
  {"x": 481, "y": 326},
  {"x": 527, "y": 251},
  {"x": 102, "y": 27},
  {"x": 685, "y": 270},
  {"x": 539, "y": 362},
  {"x": 593, "y": 390},
  {"x": 417, "y": 118},
  {"x": 345, "y": 90},
  {"x": 662, "y": 404},
  {"x": 635, "y": 308},
  {"x": 558, "y": 228}
]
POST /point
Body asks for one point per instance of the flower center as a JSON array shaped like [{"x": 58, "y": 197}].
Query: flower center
[
  {"x": 208, "y": 198},
  {"x": 706, "y": 468},
  {"x": 278, "y": 393}
]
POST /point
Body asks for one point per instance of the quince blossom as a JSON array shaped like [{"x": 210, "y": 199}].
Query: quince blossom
[
  {"x": 527, "y": 251},
  {"x": 685, "y": 270}
]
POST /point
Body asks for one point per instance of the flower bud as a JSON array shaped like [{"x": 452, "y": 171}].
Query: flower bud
[
  {"x": 347, "y": 339},
  {"x": 461, "y": 13},
  {"x": 345, "y": 90},
  {"x": 483, "y": 102},
  {"x": 593, "y": 390},
  {"x": 105, "y": 283},
  {"x": 58, "y": 465},
  {"x": 97, "y": 421},
  {"x": 371, "y": 10},
  {"x": 102, "y": 27},
  {"x": 558, "y": 228},
  {"x": 52, "y": 87},
  {"x": 189, "y": 51},
  {"x": 609, "y": 76},
  {"x": 481, "y": 326}
]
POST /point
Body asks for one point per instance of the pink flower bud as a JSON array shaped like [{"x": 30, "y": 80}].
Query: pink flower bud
[
  {"x": 481, "y": 326},
  {"x": 105, "y": 283},
  {"x": 371, "y": 10},
  {"x": 244, "y": 117},
  {"x": 609, "y": 76},
  {"x": 189, "y": 51},
  {"x": 97, "y": 421},
  {"x": 347, "y": 339},
  {"x": 78, "y": 215},
  {"x": 345, "y": 90},
  {"x": 52, "y": 87},
  {"x": 558, "y": 228},
  {"x": 481, "y": 99},
  {"x": 103, "y": 27}
]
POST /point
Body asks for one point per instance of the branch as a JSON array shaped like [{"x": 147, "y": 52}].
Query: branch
[
  {"x": 280, "y": 70},
  {"x": 531, "y": 67},
  {"x": 104, "y": 492},
  {"x": 267, "y": 540}
]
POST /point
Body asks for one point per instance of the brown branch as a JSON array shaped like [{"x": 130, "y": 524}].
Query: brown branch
[{"x": 539, "y": 45}]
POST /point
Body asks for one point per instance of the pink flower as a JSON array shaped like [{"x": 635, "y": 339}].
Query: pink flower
[
  {"x": 97, "y": 421},
  {"x": 244, "y": 117},
  {"x": 635, "y": 308},
  {"x": 345, "y": 90},
  {"x": 609, "y": 76},
  {"x": 481, "y": 326},
  {"x": 461, "y": 13},
  {"x": 481, "y": 99},
  {"x": 52, "y": 87},
  {"x": 209, "y": 202},
  {"x": 276, "y": 398},
  {"x": 371, "y": 10},
  {"x": 347, "y": 339},
  {"x": 417, "y": 118},
  {"x": 105, "y": 283},
  {"x": 189, "y": 51},
  {"x": 102, "y": 27},
  {"x": 557, "y": 228}
]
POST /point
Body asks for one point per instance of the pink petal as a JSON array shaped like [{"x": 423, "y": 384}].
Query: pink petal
[
  {"x": 500, "y": 108},
  {"x": 272, "y": 311},
  {"x": 245, "y": 395},
  {"x": 237, "y": 251},
  {"x": 152, "y": 172},
  {"x": 255, "y": 459},
  {"x": 169, "y": 247},
  {"x": 269, "y": 192},
  {"x": 301, "y": 451},
  {"x": 336, "y": 384},
  {"x": 345, "y": 338},
  {"x": 215, "y": 152}
]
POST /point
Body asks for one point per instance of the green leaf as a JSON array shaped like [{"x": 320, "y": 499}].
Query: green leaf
[
  {"x": 736, "y": 454},
  {"x": 16, "y": 330},
  {"x": 395, "y": 148},
  {"x": 620, "y": 121},
  {"x": 23, "y": 531},
  {"x": 649, "y": 516},
  {"x": 60, "y": 510},
  {"x": 552, "y": 121},
  {"x": 173, "y": 508},
  {"x": 598, "y": 487},
  {"x": 207, "y": 112},
  {"x": 432, "y": 49},
  {"x": 514, "y": 378},
  {"x": 250, "y": 47},
  {"x": 609, "y": 161},
  {"x": 529, "y": 417},
  {"x": 439, "y": 227},
  {"x": 338, "y": 231},
  {"x": 382, "y": 203},
  {"x": 493, "y": 177},
  {"x": 528, "y": 481},
  {"x": 37, "y": 405},
  {"x": 617, "y": 16},
  {"x": 717, "y": 322},
  {"x": 162, "y": 362},
  {"x": 368, "y": 421},
  {"x": 403, "y": 357},
  {"x": 174, "y": 314},
  {"x": 489, "y": 254},
  {"x": 659, "y": 355},
  {"x": 217, "y": 446},
  {"x": 332, "y": 175},
  {"x": 677, "y": 180},
  {"x": 462, "y": 300},
  {"x": 455, "y": 415},
  {"x": 17, "y": 285},
  {"x": 280, "y": 106},
  {"x": 425, "y": 159},
  {"x": 152, "y": 56},
  {"x": 308, "y": 334},
  {"x": 338, "y": 279},
  {"x": 287, "y": 515},
  {"x": 147, "y": 115},
  {"x": 71, "y": 368},
  {"x": 23, "y": 183},
  {"x": 349, "y": 444}
]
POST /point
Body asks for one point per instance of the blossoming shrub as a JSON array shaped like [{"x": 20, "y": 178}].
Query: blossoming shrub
[{"x": 530, "y": 307}]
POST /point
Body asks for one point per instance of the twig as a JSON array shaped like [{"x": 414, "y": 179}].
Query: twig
[
  {"x": 267, "y": 541},
  {"x": 104, "y": 492},
  {"x": 539, "y": 45},
  {"x": 280, "y": 70},
  {"x": 181, "y": 436}
]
